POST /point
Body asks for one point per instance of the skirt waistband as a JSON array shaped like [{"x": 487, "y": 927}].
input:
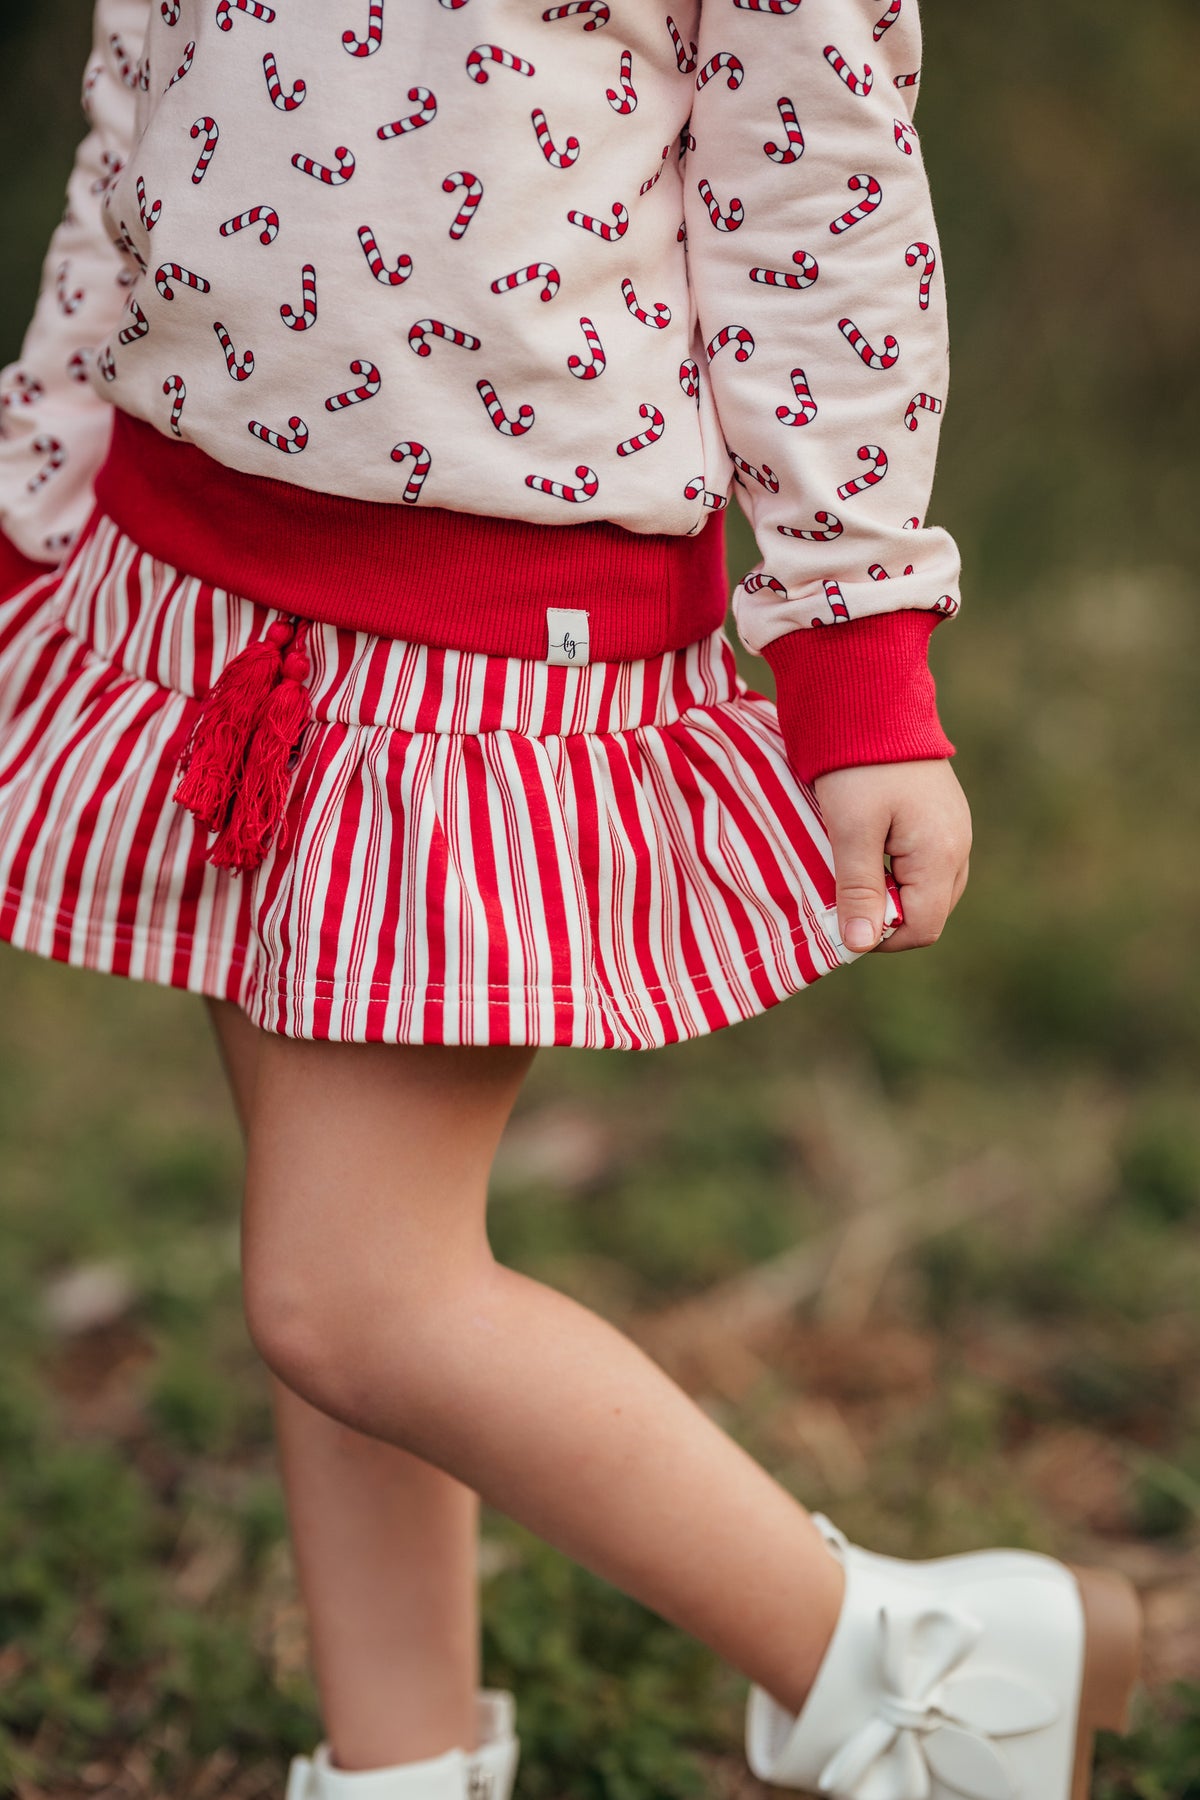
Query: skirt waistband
[{"x": 159, "y": 624}]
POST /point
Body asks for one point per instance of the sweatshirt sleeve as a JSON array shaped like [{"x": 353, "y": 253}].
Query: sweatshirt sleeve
[
  {"x": 815, "y": 263},
  {"x": 54, "y": 425}
]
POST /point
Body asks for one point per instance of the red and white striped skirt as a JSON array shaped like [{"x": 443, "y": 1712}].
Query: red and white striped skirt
[{"x": 475, "y": 850}]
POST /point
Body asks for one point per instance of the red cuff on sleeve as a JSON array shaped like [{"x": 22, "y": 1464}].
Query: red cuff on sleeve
[
  {"x": 858, "y": 692},
  {"x": 16, "y": 569}
]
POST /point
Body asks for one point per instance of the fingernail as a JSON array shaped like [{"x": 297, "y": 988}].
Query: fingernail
[{"x": 860, "y": 934}]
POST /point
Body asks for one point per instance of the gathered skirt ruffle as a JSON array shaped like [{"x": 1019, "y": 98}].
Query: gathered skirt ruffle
[{"x": 476, "y": 849}]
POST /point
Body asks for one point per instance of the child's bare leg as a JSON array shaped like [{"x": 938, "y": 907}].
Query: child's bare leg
[
  {"x": 386, "y": 1549},
  {"x": 371, "y": 1289}
]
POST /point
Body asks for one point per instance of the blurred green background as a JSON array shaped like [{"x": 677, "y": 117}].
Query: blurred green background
[{"x": 992, "y": 1148}]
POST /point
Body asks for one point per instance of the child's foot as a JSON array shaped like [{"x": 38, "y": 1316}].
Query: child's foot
[
  {"x": 485, "y": 1772},
  {"x": 984, "y": 1675}
]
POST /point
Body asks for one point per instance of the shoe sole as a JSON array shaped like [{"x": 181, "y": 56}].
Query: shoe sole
[{"x": 1113, "y": 1626}]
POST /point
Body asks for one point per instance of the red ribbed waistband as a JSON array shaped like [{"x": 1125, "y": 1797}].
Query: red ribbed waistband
[{"x": 430, "y": 575}]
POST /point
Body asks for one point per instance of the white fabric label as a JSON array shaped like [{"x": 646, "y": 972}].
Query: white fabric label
[{"x": 567, "y": 631}]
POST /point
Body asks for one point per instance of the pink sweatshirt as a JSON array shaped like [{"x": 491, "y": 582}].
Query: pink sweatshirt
[{"x": 548, "y": 266}]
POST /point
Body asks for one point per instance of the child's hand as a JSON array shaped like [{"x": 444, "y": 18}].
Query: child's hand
[{"x": 918, "y": 814}]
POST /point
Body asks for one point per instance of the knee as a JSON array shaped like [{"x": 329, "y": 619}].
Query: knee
[
  {"x": 300, "y": 1332},
  {"x": 357, "y": 1342}
]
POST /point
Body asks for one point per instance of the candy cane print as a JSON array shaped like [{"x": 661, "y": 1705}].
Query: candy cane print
[
  {"x": 472, "y": 195},
  {"x": 68, "y": 302},
  {"x": 873, "y": 454},
  {"x": 887, "y": 20},
  {"x": 379, "y": 269},
  {"x": 391, "y": 278},
  {"x": 55, "y": 454},
  {"x": 128, "y": 70},
  {"x": 946, "y": 604},
  {"x": 367, "y": 387},
  {"x": 558, "y": 159},
  {"x": 212, "y": 132},
  {"x": 809, "y": 271},
  {"x": 189, "y": 51},
  {"x": 279, "y": 440},
  {"x": 255, "y": 8},
  {"x": 421, "y": 462},
  {"x": 920, "y": 403},
  {"x": 238, "y": 370},
  {"x": 724, "y": 59},
  {"x": 308, "y": 312},
  {"x": 903, "y": 132},
  {"x": 366, "y": 46},
  {"x": 25, "y": 388},
  {"x": 175, "y": 386},
  {"x": 768, "y": 6},
  {"x": 642, "y": 439},
  {"x": 588, "y": 479},
  {"x": 123, "y": 241},
  {"x": 732, "y": 334},
  {"x": 765, "y": 477},
  {"x": 681, "y": 232},
  {"x": 684, "y": 61},
  {"x": 105, "y": 363},
  {"x": 482, "y": 54},
  {"x": 861, "y": 208},
  {"x": 608, "y": 232},
  {"x": 828, "y": 526},
  {"x": 510, "y": 427},
  {"x": 170, "y": 11},
  {"x": 795, "y": 137},
  {"x": 587, "y": 371},
  {"x": 662, "y": 312},
  {"x": 252, "y": 216},
  {"x": 723, "y": 221},
  {"x": 922, "y": 253},
  {"x": 695, "y": 488},
  {"x": 907, "y": 81},
  {"x": 689, "y": 378},
  {"x": 626, "y": 100},
  {"x": 805, "y": 410},
  {"x": 285, "y": 102},
  {"x": 111, "y": 166},
  {"x": 331, "y": 177},
  {"x": 423, "y": 328},
  {"x": 597, "y": 11},
  {"x": 540, "y": 271},
  {"x": 874, "y": 359},
  {"x": 858, "y": 84},
  {"x": 754, "y": 583},
  {"x": 168, "y": 272},
  {"x": 837, "y": 604},
  {"x": 647, "y": 185},
  {"x": 149, "y": 215},
  {"x": 427, "y": 110}
]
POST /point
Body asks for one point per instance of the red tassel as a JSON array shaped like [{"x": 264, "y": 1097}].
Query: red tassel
[
  {"x": 261, "y": 795},
  {"x": 212, "y": 759}
]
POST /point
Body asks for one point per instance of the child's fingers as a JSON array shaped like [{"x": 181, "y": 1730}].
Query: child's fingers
[
  {"x": 928, "y": 900},
  {"x": 857, "y": 837}
]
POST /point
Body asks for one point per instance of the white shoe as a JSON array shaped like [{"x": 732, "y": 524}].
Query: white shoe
[
  {"x": 982, "y": 1676},
  {"x": 483, "y": 1773}
]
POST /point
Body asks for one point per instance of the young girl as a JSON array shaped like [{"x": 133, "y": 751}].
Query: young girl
[{"x": 362, "y": 669}]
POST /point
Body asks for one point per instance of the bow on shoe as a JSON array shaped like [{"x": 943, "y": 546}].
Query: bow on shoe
[{"x": 933, "y": 1724}]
